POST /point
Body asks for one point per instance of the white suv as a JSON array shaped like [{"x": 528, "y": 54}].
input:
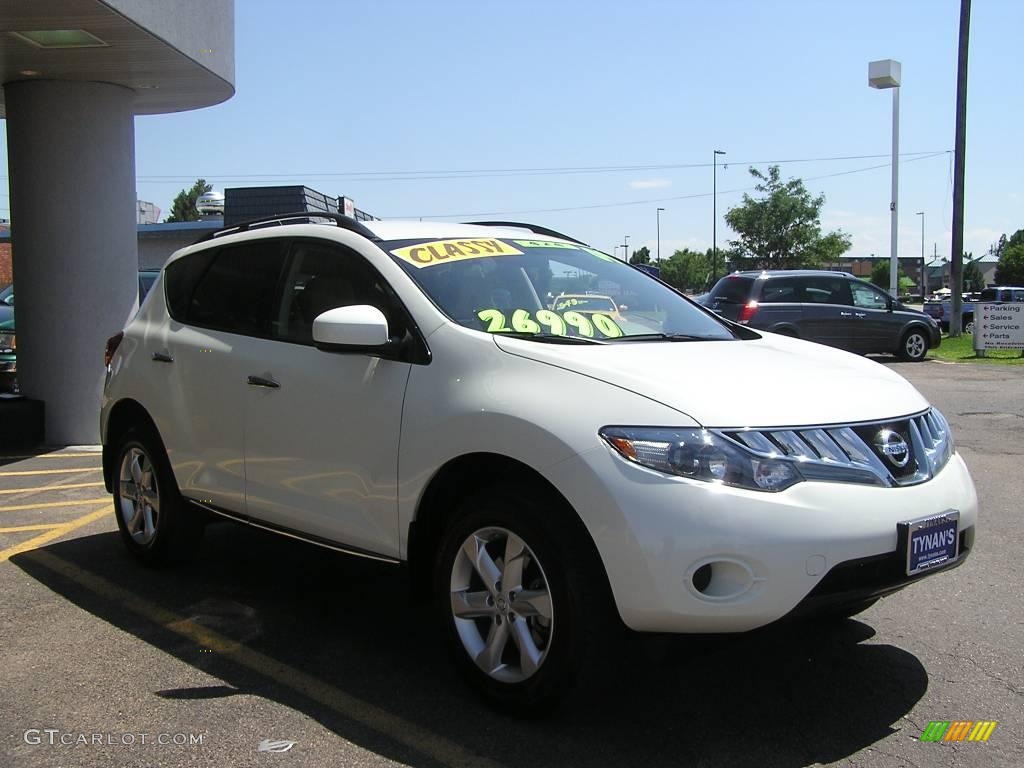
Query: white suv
[{"x": 413, "y": 391}]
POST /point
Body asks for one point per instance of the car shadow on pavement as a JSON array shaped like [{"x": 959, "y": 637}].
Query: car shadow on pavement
[{"x": 787, "y": 695}]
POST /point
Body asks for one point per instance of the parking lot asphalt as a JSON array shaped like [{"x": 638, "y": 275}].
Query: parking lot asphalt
[{"x": 267, "y": 641}]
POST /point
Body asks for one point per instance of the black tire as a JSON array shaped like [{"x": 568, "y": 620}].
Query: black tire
[
  {"x": 914, "y": 345},
  {"x": 582, "y": 616},
  {"x": 157, "y": 534}
]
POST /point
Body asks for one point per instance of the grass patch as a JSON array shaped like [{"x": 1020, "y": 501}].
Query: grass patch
[{"x": 961, "y": 350}]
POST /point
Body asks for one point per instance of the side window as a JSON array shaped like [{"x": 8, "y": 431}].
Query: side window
[
  {"x": 1018, "y": 295},
  {"x": 826, "y": 290},
  {"x": 180, "y": 279},
  {"x": 866, "y": 297},
  {"x": 322, "y": 276},
  {"x": 779, "y": 289},
  {"x": 238, "y": 291}
]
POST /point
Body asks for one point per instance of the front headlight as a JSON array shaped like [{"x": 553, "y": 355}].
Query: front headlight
[{"x": 701, "y": 455}]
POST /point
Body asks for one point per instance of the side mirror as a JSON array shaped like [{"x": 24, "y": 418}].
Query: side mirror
[{"x": 358, "y": 329}]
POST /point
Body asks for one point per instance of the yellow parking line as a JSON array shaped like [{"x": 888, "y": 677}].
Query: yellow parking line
[
  {"x": 56, "y": 533},
  {"x": 51, "y": 488},
  {"x": 50, "y": 456},
  {"x": 27, "y": 472},
  {"x": 40, "y": 527},
  {"x": 51, "y": 504},
  {"x": 392, "y": 726}
]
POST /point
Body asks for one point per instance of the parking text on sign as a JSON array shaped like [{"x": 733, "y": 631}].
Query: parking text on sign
[{"x": 999, "y": 326}]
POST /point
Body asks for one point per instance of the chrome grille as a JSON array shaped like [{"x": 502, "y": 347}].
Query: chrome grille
[{"x": 857, "y": 450}]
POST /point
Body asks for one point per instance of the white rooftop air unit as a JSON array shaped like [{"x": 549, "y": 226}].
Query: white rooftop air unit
[{"x": 210, "y": 203}]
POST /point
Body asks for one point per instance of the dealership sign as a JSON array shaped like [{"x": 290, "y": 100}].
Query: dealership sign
[{"x": 999, "y": 326}]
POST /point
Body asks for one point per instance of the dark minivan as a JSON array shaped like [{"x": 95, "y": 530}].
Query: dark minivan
[{"x": 833, "y": 308}]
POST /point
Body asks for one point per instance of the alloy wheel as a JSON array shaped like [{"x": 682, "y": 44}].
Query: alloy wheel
[
  {"x": 915, "y": 346},
  {"x": 139, "y": 496},
  {"x": 501, "y": 604}
]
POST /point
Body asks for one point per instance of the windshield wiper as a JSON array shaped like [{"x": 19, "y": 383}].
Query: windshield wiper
[
  {"x": 547, "y": 338},
  {"x": 664, "y": 337}
]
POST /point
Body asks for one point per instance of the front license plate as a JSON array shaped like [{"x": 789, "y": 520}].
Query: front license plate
[{"x": 931, "y": 541}]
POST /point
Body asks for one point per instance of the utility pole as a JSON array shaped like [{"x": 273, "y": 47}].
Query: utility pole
[
  {"x": 957, "y": 256},
  {"x": 658, "y": 214},
  {"x": 714, "y": 215},
  {"x": 625, "y": 248}
]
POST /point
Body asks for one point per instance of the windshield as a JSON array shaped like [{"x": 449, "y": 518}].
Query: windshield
[{"x": 549, "y": 289}]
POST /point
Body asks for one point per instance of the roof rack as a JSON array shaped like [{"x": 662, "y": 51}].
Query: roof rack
[
  {"x": 529, "y": 227},
  {"x": 339, "y": 219}
]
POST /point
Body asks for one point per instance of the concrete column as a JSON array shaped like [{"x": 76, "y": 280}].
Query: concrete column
[{"x": 71, "y": 158}]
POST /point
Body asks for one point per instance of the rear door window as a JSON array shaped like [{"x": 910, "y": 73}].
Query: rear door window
[
  {"x": 237, "y": 293},
  {"x": 826, "y": 290},
  {"x": 778, "y": 290}
]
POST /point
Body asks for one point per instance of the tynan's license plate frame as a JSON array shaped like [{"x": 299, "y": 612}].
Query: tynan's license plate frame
[{"x": 925, "y": 541}]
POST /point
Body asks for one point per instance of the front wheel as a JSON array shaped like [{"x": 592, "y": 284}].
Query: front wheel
[
  {"x": 969, "y": 325},
  {"x": 521, "y": 603},
  {"x": 156, "y": 524},
  {"x": 914, "y": 346}
]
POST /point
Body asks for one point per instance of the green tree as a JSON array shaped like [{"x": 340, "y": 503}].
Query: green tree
[
  {"x": 781, "y": 229},
  {"x": 1010, "y": 270},
  {"x": 974, "y": 280},
  {"x": 880, "y": 275},
  {"x": 641, "y": 256},
  {"x": 184, "y": 206},
  {"x": 687, "y": 270}
]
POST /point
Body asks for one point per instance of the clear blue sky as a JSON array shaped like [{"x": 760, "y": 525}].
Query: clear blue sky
[{"x": 345, "y": 88}]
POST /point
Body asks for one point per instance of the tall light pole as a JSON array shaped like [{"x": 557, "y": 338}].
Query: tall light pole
[
  {"x": 625, "y": 248},
  {"x": 714, "y": 214},
  {"x": 658, "y": 215},
  {"x": 924, "y": 275},
  {"x": 886, "y": 74},
  {"x": 956, "y": 255}
]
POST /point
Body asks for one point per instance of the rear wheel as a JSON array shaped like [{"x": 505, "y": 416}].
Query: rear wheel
[
  {"x": 969, "y": 325},
  {"x": 914, "y": 346},
  {"x": 156, "y": 524},
  {"x": 520, "y": 601}
]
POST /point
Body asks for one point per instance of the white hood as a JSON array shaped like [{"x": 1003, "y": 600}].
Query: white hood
[{"x": 771, "y": 382}]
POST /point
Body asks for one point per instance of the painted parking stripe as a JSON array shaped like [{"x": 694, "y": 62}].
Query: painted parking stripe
[
  {"x": 54, "y": 533},
  {"x": 43, "y": 488},
  {"x": 392, "y": 726},
  {"x": 40, "y": 527},
  {"x": 52, "y": 504},
  {"x": 93, "y": 455},
  {"x": 28, "y": 472}
]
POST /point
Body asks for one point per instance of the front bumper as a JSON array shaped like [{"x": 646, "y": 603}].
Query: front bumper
[{"x": 768, "y": 553}]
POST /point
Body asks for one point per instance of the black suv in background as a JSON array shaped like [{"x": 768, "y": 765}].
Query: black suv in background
[{"x": 833, "y": 308}]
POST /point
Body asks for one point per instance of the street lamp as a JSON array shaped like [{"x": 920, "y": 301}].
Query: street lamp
[
  {"x": 714, "y": 214},
  {"x": 625, "y": 248},
  {"x": 658, "y": 215},
  {"x": 886, "y": 74},
  {"x": 924, "y": 275}
]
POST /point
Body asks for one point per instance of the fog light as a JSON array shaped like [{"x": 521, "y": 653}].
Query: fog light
[{"x": 702, "y": 577}]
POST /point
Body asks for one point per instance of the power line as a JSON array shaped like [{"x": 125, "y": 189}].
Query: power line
[
  {"x": 655, "y": 199},
  {"x": 411, "y": 175}
]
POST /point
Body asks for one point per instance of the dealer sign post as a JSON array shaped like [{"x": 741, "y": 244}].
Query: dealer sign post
[{"x": 998, "y": 326}]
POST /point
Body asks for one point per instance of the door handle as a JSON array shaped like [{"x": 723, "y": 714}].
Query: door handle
[
  {"x": 846, "y": 314},
  {"x": 162, "y": 357},
  {"x": 260, "y": 381}
]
